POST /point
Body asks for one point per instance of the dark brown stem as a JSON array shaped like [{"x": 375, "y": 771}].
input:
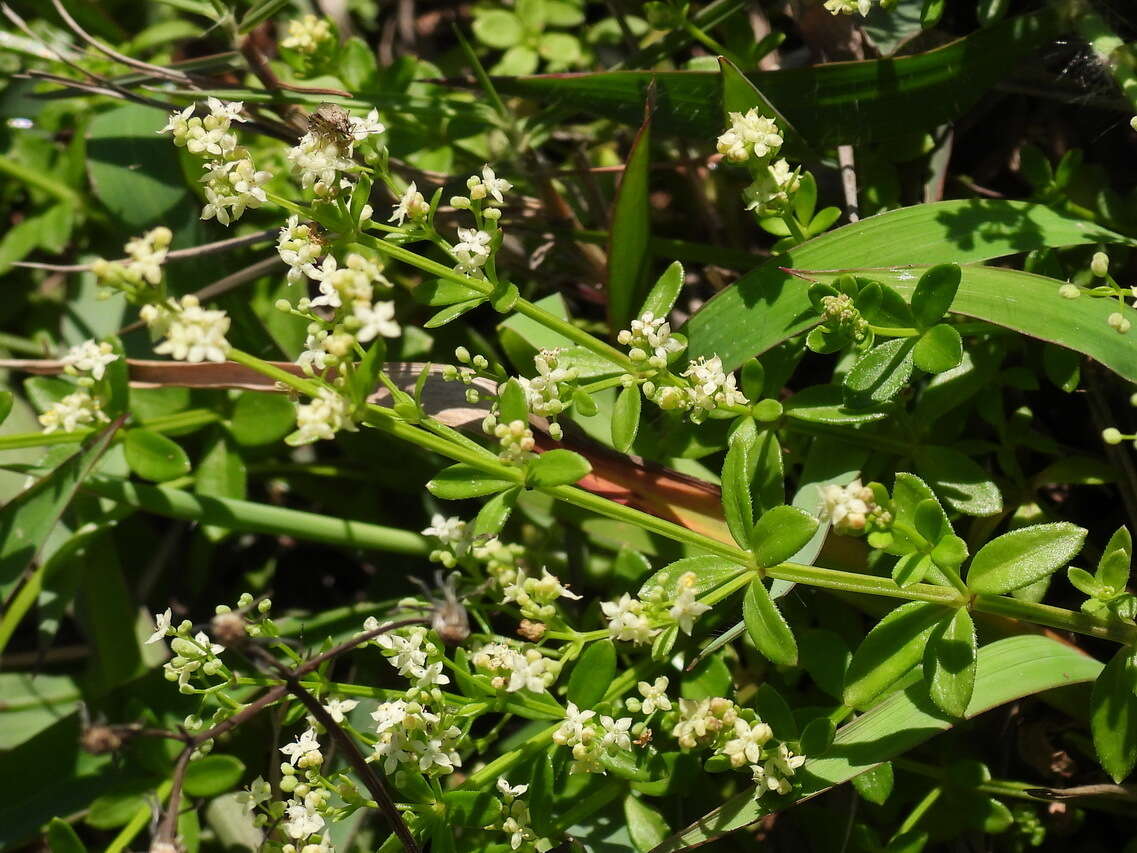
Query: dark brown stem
[{"x": 167, "y": 829}]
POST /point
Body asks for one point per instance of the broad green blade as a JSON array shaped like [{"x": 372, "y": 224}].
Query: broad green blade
[
  {"x": 831, "y": 104},
  {"x": 769, "y": 304},
  {"x": 1007, "y": 670}
]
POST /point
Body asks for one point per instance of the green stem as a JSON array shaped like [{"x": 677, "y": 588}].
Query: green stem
[
  {"x": 40, "y": 181},
  {"x": 1055, "y": 617},
  {"x": 895, "y": 331},
  {"x": 870, "y": 584},
  {"x": 252, "y": 517},
  {"x": 795, "y": 227},
  {"x": 187, "y": 421}
]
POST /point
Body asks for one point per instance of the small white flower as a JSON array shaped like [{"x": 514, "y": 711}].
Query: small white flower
[
  {"x": 711, "y": 387},
  {"x": 849, "y": 508},
  {"x": 258, "y": 792},
  {"x": 77, "y": 409},
  {"x": 746, "y": 745},
  {"x": 304, "y": 751},
  {"x": 377, "y": 319},
  {"x": 231, "y": 187},
  {"x": 322, "y": 418},
  {"x": 489, "y": 185},
  {"x": 686, "y": 608},
  {"x": 508, "y": 791},
  {"x": 318, "y": 162},
  {"x": 308, "y": 34},
  {"x": 90, "y": 357},
  {"x": 649, "y": 339},
  {"x": 338, "y": 708},
  {"x": 411, "y": 204},
  {"x": 772, "y": 189},
  {"x": 161, "y": 626},
  {"x": 848, "y": 7},
  {"x": 303, "y": 820},
  {"x": 654, "y": 695},
  {"x": 616, "y": 734},
  {"x": 298, "y": 247},
  {"x": 572, "y": 729},
  {"x": 361, "y": 128}
]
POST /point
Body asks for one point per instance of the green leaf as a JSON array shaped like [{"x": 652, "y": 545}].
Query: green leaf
[
  {"x": 32, "y": 704},
  {"x": 1113, "y": 714},
  {"x": 471, "y": 808},
  {"x": 911, "y": 568},
  {"x": 817, "y": 736},
  {"x": 766, "y": 625},
  {"x": 934, "y": 293},
  {"x": 212, "y": 775},
  {"x": 557, "y": 468},
  {"x": 497, "y": 28},
  {"x": 366, "y": 376},
  {"x": 30, "y": 517},
  {"x": 134, "y": 172},
  {"x": 949, "y": 663},
  {"x": 780, "y": 533},
  {"x": 939, "y": 349},
  {"x": 511, "y": 401},
  {"x": 773, "y": 709},
  {"x": 628, "y": 238},
  {"x": 495, "y": 512},
  {"x": 710, "y": 571},
  {"x": 880, "y": 373},
  {"x": 963, "y": 485},
  {"x": 152, "y": 456},
  {"x": 626, "y": 418},
  {"x": 741, "y": 95},
  {"x": 825, "y": 404},
  {"x": 737, "y": 506},
  {"x": 875, "y": 785},
  {"x": 62, "y": 838},
  {"x": 664, "y": 292},
  {"x": 710, "y": 677},
  {"x": 593, "y": 673},
  {"x": 221, "y": 473},
  {"x": 1083, "y": 581},
  {"x": 465, "y": 481},
  {"x": 5, "y": 405},
  {"x": 1006, "y": 670},
  {"x": 769, "y": 304},
  {"x": 829, "y": 104},
  {"x": 1024, "y": 556},
  {"x": 646, "y": 826},
  {"x": 889, "y": 652}
]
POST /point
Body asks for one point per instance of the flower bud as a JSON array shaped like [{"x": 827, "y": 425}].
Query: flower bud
[
  {"x": 1069, "y": 291},
  {"x": 1099, "y": 264},
  {"x": 1111, "y": 435}
]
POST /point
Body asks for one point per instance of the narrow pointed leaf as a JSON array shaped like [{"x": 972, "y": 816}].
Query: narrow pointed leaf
[
  {"x": 736, "y": 503},
  {"x": 766, "y": 625},
  {"x": 1024, "y": 556},
  {"x": 664, "y": 292},
  {"x": 630, "y": 233},
  {"x": 1113, "y": 715},
  {"x": 949, "y": 663},
  {"x": 626, "y": 419},
  {"x": 889, "y": 652}
]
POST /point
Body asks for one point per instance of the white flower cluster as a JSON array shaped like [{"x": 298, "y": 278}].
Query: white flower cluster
[
  {"x": 535, "y": 596},
  {"x": 710, "y": 388},
  {"x": 739, "y": 735},
  {"x": 628, "y": 620},
  {"x": 636, "y": 620},
  {"x": 414, "y": 656},
  {"x": 322, "y": 417},
  {"x": 515, "y": 440},
  {"x": 232, "y": 181},
  {"x": 649, "y": 340},
  {"x": 89, "y": 358},
  {"x": 755, "y": 140},
  {"x": 300, "y": 247},
  {"x": 453, "y": 534},
  {"x": 749, "y": 135},
  {"x": 472, "y": 251},
  {"x": 545, "y": 392},
  {"x": 590, "y": 737},
  {"x": 191, "y": 333},
  {"x": 772, "y": 188},
  {"x": 410, "y": 733},
  {"x": 411, "y": 204},
  {"x": 77, "y": 409},
  {"x": 145, "y": 256},
  {"x": 323, "y": 157},
  {"x": 192, "y": 655},
  {"x": 232, "y": 186},
  {"x": 515, "y": 814},
  {"x": 304, "y": 752},
  {"x": 308, "y": 34},
  {"x": 850, "y": 508},
  {"x": 848, "y": 7},
  {"x": 512, "y": 669}
]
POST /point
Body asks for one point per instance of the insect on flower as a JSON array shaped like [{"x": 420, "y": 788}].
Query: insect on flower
[{"x": 330, "y": 120}]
